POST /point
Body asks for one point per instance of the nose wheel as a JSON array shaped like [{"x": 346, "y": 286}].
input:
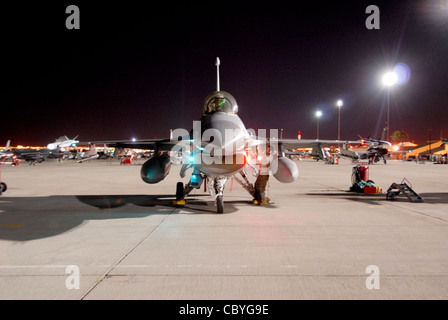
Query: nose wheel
[{"x": 219, "y": 204}]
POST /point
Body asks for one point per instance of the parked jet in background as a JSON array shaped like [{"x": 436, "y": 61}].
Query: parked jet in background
[
  {"x": 63, "y": 142},
  {"x": 89, "y": 154},
  {"x": 55, "y": 150},
  {"x": 377, "y": 150},
  {"x": 29, "y": 155},
  {"x": 6, "y": 154}
]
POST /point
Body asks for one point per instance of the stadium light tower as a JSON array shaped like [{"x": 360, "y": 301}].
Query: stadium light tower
[
  {"x": 389, "y": 79},
  {"x": 318, "y": 115},
  {"x": 339, "y": 104}
]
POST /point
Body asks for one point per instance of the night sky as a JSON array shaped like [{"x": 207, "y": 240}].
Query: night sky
[{"x": 135, "y": 70}]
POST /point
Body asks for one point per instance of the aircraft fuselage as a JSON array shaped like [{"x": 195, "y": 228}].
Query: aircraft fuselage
[{"x": 220, "y": 149}]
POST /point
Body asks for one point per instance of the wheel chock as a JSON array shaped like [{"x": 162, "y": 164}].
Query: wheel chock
[
  {"x": 179, "y": 202},
  {"x": 262, "y": 202}
]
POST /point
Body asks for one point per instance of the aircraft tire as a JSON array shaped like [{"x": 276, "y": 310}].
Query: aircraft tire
[
  {"x": 219, "y": 204},
  {"x": 3, "y": 186},
  {"x": 180, "y": 191}
]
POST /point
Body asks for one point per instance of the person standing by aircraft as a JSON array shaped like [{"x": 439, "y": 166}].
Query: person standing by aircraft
[{"x": 260, "y": 195}]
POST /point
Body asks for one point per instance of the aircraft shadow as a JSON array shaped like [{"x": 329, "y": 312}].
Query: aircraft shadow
[
  {"x": 31, "y": 218},
  {"x": 193, "y": 205}
]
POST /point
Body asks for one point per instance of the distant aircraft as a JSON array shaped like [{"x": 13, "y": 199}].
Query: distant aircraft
[
  {"x": 377, "y": 150},
  {"x": 90, "y": 154},
  {"x": 105, "y": 154},
  {"x": 55, "y": 150},
  {"x": 32, "y": 156},
  {"x": 317, "y": 152},
  {"x": 63, "y": 142},
  {"x": 219, "y": 146},
  {"x": 5, "y": 154}
]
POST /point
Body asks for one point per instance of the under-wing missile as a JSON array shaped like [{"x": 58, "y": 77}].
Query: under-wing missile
[{"x": 156, "y": 169}]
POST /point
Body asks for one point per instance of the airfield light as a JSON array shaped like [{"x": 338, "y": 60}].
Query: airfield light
[
  {"x": 133, "y": 139},
  {"x": 318, "y": 115},
  {"x": 390, "y": 78},
  {"x": 339, "y": 104}
]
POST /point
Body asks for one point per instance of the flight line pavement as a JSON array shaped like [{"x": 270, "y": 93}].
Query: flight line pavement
[{"x": 95, "y": 230}]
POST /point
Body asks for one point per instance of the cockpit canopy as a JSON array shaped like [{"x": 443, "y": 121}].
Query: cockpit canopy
[{"x": 220, "y": 101}]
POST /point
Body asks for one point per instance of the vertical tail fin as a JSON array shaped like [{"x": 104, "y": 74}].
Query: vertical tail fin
[{"x": 8, "y": 143}]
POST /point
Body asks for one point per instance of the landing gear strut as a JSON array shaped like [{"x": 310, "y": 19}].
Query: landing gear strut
[{"x": 216, "y": 187}]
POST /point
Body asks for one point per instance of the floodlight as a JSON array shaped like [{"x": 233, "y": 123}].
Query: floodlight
[{"x": 390, "y": 78}]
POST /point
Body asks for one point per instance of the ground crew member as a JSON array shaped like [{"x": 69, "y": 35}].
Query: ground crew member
[{"x": 260, "y": 195}]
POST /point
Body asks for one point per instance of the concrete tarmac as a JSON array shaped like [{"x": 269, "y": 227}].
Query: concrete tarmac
[{"x": 95, "y": 230}]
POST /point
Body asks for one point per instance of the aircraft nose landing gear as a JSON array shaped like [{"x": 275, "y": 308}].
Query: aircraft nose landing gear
[{"x": 218, "y": 189}]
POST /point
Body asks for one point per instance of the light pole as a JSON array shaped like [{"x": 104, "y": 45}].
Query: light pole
[
  {"x": 339, "y": 104},
  {"x": 389, "y": 79},
  {"x": 318, "y": 115}
]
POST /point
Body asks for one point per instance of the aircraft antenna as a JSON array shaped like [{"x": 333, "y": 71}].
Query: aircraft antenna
[{"x": 217, "y": 73}]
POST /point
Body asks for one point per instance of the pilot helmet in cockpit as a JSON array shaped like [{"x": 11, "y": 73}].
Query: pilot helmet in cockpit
[{"x": 220, "y": 101}]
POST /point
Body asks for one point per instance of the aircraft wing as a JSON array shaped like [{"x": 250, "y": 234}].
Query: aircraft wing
[
  {"x": 309, "y": 143},
  {"x": 168, "y": 144},
  {"x": 302, "y": 143},
  {"x": 151, "y": 144}
]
